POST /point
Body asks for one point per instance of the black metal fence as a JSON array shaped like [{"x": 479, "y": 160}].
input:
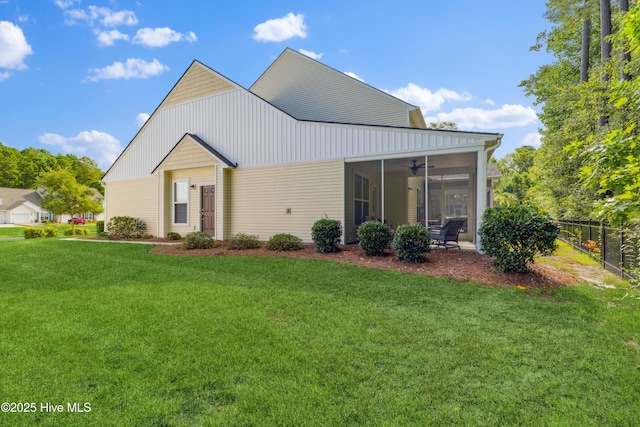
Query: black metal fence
[{"x": 617, "y": 252}]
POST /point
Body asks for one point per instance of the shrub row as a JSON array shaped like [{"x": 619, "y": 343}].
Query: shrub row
[
  {"x": 241, "y": 241},
  {"x": 37, "y": 232},
  {"x": 410, "y": 242}
]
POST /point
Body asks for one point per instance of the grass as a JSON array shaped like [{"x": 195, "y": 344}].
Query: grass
[
  {"x": 157, "y": 340},
  {"x": 18, "y": 230},
  {"x": 569, "y": 260}
]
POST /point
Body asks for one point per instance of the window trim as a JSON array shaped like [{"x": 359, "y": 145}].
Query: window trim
[{"x": 174, "y": 202}]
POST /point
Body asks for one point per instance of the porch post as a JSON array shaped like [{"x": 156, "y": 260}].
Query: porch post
[
  {"x": 426, "y": 191},
  {"x": 481, "y": 193},
  {"x": 382, "y": 195}
]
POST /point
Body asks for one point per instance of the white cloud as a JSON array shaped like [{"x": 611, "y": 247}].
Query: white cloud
[
  {"x": 506, "y": 116},
  {"x": 158, "y": 37},
  {"x": 100, "y": 146},
  {"x": 532, "y": 139},
  {"x": 106, "y": 16},
  {"x": 64, "y": 4},
  {"x": 132, "y": 69},
  {"x": 107, "y": 38},
  {"x": 489, "y": 101},
  {"x": 4, "y": 76},
  {"x": 141, "y": 119},
  {"x": 427, "y": 100},
  {"x": 280, "y": 29},
  {"x": 13, "y": 47},
  {"x": 311, "y": 54},
  {"x": 23, "y": 18},
  {"x": 354, "y": 75}
]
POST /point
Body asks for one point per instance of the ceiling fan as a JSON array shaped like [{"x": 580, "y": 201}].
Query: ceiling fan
[{"x": 415, "y": 167}]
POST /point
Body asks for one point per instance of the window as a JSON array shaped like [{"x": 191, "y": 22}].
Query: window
[
  {"x": 180, "y": 201},
  {"x": 361, "y": 198}
]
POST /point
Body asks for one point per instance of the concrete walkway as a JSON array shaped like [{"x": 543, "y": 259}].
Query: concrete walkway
[{"x": 121, "y": 241}]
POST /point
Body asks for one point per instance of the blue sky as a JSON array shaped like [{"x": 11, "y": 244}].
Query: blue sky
[{"x": 82, "y": 76}]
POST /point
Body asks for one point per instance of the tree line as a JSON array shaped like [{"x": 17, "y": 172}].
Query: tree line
[
  {"x": 22, "y": 168},
  {"x": 588, "y": 164}
]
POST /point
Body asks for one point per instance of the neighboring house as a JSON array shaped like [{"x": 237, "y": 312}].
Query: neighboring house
[
  {"x": 304, "y": 142},
  {"x": 19, "y": 206}
]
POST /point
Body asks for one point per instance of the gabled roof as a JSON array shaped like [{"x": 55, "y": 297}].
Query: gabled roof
[
  {"x": 310, "y": 90},
  {"x": 14, "y": 197},
  {"x": 187, "y": 88},
  {"x": 203, "y": 144}
]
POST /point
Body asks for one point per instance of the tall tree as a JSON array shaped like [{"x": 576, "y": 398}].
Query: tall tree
[
  {"x": 586, "y": 46},
  {"x": 516, "y": 181},
  {"x": 62, "y": 194},
  {"x": 605, "y": 48},
  {"x": 625, "y": 55},
  {"x": 10, "y": 175}
]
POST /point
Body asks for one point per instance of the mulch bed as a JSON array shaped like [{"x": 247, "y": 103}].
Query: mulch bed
[{"x": 455, "y": 264}]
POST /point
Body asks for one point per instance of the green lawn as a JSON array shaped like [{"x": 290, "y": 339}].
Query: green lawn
[
  {"x": 151, "y": 340},
  {"x": 18, "y": 230}
]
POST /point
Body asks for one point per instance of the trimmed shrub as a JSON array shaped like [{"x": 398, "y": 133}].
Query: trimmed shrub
[
  {"x": 99, "y": 227},
  {"x": 33, "y": 233},
  {"x": 513, "y": 235},
  {"x": 198, "y": 240},
  {"x": 126, "y": 227},
  {"x": 374, "y": 237},
  {"x": 79, "y": 231},
  {"x": 243, "y": 241},
  {"x": 326, "y": 235},
  {"x": 50, "y": 232},
  {"x": 411, "y": 242},
  {"x": 172, "y": 235},
  {"x": 284, "y": 242}
]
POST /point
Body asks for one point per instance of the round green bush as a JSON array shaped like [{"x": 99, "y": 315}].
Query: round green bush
[
  {"x": 99, "y": 227},
  {"x": 33, "y": 233},
  {"x": 284, "y": 242},
  {"x": 50, "y": 232},
  {"x": 198, "y": 240},
  {"x": 79, "y": 231},
  {"x": 126, "y": 227},
  {"x": 411, "y": 242},
  {"x": 514, "y": 234},
  {"x": 326, "y": 235},
  {"x": 172, "y": 235},
  {"x": 243, "y": 241},
  {"x": 374, "y": 237}
]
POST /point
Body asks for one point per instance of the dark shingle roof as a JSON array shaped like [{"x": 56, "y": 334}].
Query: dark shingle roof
[{"x": 14, "y": 197}]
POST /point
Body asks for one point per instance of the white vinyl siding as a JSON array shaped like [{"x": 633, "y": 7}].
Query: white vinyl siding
[
  {"x": 246, "y": 130},
  {"x": 310, "y": 90}
]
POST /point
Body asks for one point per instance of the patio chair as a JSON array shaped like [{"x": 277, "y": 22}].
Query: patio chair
[{"x": 447, "y": 235}]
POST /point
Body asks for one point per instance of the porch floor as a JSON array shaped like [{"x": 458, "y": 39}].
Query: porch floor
[{"x": 465, "y": 246}]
